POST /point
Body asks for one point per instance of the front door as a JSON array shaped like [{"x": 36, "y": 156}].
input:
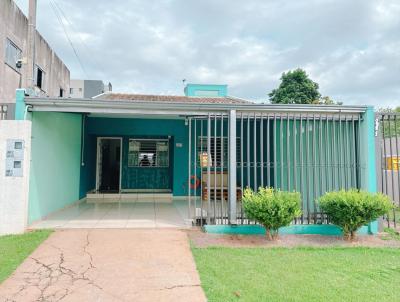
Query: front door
[
  {"x": 149, "y": 165},
  {"x": 108, "y": 164}
]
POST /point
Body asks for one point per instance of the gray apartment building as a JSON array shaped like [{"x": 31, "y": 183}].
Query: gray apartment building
[
  {"x": 88, "y": 88},
  {"x": 51, "y": 76}
]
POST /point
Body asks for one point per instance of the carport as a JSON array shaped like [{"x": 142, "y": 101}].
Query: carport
[
  {"x": 81, "y": 180},
  {"x": 113, "y": 163}
]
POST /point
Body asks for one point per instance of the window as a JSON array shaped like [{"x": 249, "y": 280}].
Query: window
[
  {"x": 80, "y": 89},
  {"x": 61, "y": 93},
  {"x": 218, "y": 152},
  {"x": 148, "y": 153},
  {"x": 71, "y": 91},
  {"x": 39, "y": 77},
  {"x": 13, "y": 54}
]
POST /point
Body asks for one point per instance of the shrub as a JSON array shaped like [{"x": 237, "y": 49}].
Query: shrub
[
  {"x": 271, "y": 208},
  {"x": 353, "y": 208}
]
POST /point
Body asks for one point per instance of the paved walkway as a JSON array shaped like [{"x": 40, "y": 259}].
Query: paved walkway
[
  {"x": 108, "y": 265},
  {"x": 149, "y": 214}
]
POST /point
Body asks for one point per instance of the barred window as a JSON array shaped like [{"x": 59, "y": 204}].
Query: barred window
[{"x": 148, "y": 153}]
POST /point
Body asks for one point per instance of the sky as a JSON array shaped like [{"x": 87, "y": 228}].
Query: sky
[{"x": 350, "y": 48}]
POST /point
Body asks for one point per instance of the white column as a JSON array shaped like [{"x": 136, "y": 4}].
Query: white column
[{"x": 232, "y": 167}]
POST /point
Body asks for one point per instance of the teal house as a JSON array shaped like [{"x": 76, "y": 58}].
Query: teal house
[{"x": 203, "y": 148}]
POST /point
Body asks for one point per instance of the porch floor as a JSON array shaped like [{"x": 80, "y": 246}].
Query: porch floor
[{"x": 148, "y": 214}]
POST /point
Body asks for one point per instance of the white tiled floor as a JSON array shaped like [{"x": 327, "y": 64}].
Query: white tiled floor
[{"x": 149, "y": 214}]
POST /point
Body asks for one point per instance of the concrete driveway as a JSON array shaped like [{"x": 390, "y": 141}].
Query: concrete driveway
[{"x": 108, "y": 265}]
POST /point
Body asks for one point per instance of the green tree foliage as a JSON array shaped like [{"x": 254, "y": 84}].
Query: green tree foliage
[
  {"x": 390, "y": 126},
  {"x": 295, "y": 88},
  {"x": 352, "y": 209},
  {"x": 271, "y": 208},
  {"x": 326, "y": 100}
]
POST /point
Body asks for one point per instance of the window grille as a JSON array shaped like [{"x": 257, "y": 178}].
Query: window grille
[{"x": 148, "y": 153}]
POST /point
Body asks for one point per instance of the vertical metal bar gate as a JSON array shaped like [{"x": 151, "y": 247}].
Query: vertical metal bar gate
[
  {"x": 311, "y": 153},
  {"x": 387, "y": 133}
]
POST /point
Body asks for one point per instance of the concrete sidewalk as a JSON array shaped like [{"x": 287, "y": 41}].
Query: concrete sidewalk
[{"x": 108, "y": 265}]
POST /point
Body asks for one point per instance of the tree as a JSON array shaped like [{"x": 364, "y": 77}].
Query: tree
[
  {"x": 391, "y": 123},
  {"x": 326, "y": 100},
  {"x": 295, "y": 88}
]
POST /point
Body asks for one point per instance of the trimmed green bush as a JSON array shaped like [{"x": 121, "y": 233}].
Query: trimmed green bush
[
  {"x": 353, "y": 208},
  {"x": 271, "y": 208}
]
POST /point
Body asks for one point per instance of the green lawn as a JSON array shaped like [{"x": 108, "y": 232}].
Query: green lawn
[
  {"x": 15, "y": 248},
  {"x": 299, "y": 274}
]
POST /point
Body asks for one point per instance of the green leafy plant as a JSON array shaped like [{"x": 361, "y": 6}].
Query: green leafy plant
[
  {"x": 271, "y": 208},
  {"x": 353, "y": 208}
]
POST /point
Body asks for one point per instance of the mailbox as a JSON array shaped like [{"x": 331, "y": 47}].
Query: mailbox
[{"x": 14, "y": 158}]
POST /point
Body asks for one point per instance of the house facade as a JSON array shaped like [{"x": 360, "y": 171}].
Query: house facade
[
  {"x": 204, "y": 148},
  {"x": 51, "y": 76}
]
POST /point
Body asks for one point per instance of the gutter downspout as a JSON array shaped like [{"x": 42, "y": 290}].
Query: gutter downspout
[{"x": 27, "y": 107}]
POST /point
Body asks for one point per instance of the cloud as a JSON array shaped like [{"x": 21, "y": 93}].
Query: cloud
[{"x": 349, "y": 47}]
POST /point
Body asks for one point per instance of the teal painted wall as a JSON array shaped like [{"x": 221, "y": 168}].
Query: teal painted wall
[
  {"x": 206, "y": 90},
  {"x": 136, "y": 128},
  {"x": 318, "y": 229},
  {"x": 368, "y": 166},
  {"x": 19, "y": 104},
  {"x": 55, "y": 165},
  {"x": 368, "y": 163}
]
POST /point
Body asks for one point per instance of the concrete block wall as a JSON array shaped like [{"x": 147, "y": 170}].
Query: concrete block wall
[{"x": 14, "y": 190}]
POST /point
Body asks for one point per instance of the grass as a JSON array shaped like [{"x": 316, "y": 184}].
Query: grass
[
  {"x": 299, "y": 274},
  {"x": 391, "y": 234},
  {"x": 15, "y": 248}
]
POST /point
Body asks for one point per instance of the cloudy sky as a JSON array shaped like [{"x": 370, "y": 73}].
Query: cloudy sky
[{"x": 351, "y": 48}]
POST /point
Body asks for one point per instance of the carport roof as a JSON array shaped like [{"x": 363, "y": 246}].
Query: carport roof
[{"x": 178, "y": 107}]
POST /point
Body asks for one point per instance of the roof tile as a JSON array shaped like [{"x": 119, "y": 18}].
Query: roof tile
[{"x": 170, "y": 98}]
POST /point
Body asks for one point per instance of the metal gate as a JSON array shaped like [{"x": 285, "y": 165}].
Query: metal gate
[
  {"x": 387, "y": 132},
  {"x": 311, "y": 153}
]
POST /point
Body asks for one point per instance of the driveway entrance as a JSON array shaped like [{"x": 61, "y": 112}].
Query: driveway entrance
[
  {"x": 107, "y": 265},
  {"x": 139, "y": 214}
]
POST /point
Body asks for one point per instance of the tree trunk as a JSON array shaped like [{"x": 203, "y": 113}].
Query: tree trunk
[
  {"x": 350, "y": 236},
  {"x": 268, "y": 234},
  {"x": 275, "y": 235}
]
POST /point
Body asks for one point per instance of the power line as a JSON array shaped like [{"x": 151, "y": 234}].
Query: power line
[
  {"x": 69, "y": 23},
  {"x": 67, "y": 36}
]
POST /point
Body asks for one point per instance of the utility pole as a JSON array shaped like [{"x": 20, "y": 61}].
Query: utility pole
[{"x": 30, "y": 55}]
